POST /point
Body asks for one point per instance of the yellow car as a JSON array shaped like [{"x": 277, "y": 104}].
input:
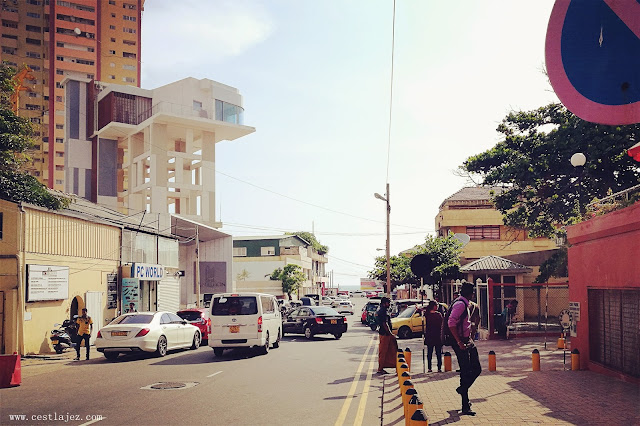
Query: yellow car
[{"x": 407, "y": 323}]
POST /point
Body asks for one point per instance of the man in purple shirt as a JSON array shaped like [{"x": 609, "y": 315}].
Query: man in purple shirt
[{"x": 466, "y": 352}]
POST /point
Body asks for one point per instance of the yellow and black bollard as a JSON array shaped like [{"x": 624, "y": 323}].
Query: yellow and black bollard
[
  {"x": 404, "y": 386},
  {"x": 492, "y": 361},
  {"x": 402, "y": 369},
  {"x": 400, "y": 361},
  {"x": 447, "y": 361},
  {"x": 406, "y": 397},
  {"x": 404, "y": 376},
  {"x": 575, "y": 360},
  {"x": 415, "y": 404},
  {"x": 561, "y": 342},
  {"x": 535, "y": 360},
  {"x": 419, "y": 418},
  {"x": 407, "y": 356}
]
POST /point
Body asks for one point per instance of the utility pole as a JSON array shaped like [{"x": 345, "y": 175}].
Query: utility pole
[
  {"x": 197, "y": 267},
  {"x": 388, "y": 243}
]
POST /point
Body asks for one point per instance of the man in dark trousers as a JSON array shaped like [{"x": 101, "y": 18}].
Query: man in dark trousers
[
  {"x": 85, "y": 328},
  {"x": 460, "y": 325}
]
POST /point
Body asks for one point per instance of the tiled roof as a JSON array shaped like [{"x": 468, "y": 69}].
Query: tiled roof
[
  {"x": 494, "y": 263},
  {"x": 474, "y": 193}
]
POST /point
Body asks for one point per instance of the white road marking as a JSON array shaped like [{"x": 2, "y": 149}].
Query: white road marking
[
  {"x": 214, "y": 374},
  {"x": 347, "y": 402}
]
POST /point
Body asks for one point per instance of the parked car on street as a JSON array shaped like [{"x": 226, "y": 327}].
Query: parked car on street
[
  {"x": 146, "y": 331},
  {"x": 307, "y": 301},
  {"x": 200, "y": 318},
  {"x": 369, "y": 310},
  {"x": 398, "y": 306},
  {"x": 326, "y": 300},
  {"x": 245, "y": 320},
  {"x": 343, "y": 306},
  {"x": 408, "y": 322},
  {"x": 312, "y": 320},
  {"x": 315, "y": 297}
]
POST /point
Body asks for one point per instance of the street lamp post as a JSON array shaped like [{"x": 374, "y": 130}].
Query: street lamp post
[{"x": 388, "y": 252}]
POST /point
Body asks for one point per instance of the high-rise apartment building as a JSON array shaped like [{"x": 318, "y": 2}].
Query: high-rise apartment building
[{"x": 89, "y": 39}]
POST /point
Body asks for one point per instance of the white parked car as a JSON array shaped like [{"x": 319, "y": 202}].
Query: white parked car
[
  {"x": 343, "y": 306},
  {"x": 326, "y": 300},
  {"x": 244, "y": 320},
  {"x": 147, "y": 331}
]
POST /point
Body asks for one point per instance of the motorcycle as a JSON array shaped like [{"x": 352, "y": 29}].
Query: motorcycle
[{"x": 64, "y": 337}]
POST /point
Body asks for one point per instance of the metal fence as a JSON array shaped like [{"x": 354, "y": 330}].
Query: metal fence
[{"x": 537, "y": 312}]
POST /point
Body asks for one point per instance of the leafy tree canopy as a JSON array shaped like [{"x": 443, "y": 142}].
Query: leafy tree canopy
[
  {"x": 308, "y": 236},
  {"x": 444, "y": 253},
  {"x": 291, "y": 276},
  {"x": 542, "y": 190},
  {"x": 15, "y": 141}
]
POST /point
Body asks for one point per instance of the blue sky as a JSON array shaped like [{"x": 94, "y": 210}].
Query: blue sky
[{"x": 315, "y": 77}]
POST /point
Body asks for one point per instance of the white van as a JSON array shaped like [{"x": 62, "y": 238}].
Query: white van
[{"x": 244, "y": 320}]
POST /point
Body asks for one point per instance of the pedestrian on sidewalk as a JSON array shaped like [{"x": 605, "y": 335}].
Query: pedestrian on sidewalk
[
  {"x": 388, "y": 347},
  {"x": 432, "y": 339},
  {"x": 459, "y": 323},
  {"x": 85, "y": 328}
]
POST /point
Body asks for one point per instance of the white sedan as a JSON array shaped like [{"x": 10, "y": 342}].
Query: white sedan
[
  {"x": 343, "y": 306},
  {"x": 146, "y": 331}
]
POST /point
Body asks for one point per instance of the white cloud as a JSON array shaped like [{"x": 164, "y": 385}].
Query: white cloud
[{"x": 196, "y": 32}]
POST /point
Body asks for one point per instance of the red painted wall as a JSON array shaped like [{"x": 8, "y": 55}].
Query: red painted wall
[{"x": 604, "y": 253}]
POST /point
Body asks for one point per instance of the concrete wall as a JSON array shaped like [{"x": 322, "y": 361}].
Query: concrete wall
[{"x": 604, "y": 253}]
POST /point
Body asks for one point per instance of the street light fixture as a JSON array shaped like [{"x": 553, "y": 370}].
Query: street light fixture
[{"x": 386, "y": 199}]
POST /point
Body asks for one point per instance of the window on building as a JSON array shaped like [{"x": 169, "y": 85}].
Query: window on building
[
  {"x": 267, "y": 251},
  {"x": 59, "y": 126},
  {"x": 112, "y": 2},
  {"x": 112, "y": 52},
  {"x": 128, "y": 79},
  {"x": 34, "y": 2},
  {"x": 113, "y": 15},
  {"x": 60, "y": 72},
  {"x": 33, "y": 28},
  {"x": 112, "y": 27},
  {"x": 239, "y": 252},
  {"x": 90, "y": 76},
  {"x": 59, "y": 154},
  {"x": 60, "y": 58},
  {"x": 113, "y": 39},
  {"x": 34, "y": 67},
  {"x": 9, "y": 24},
  {"x": 129, "y": 42},
  {"x": 33, "y": 15},
  {"x": 129, "y": 18},
  {"x": 60, "y": 168},
  {"x": 59, "y": 182},
  {"x": 483, "y": 232},
  {"x": 32, "y": 107},
  {"x": 11, "y": 36},
  {"x": 112, "y": 77},
  {"x": 36, "y": 174},
  {"x": 129, "y": 30},
  {"x": 35, "y": 120},
  {"x": 84, "y": 62},
  {"x": 129, "y": 6},
  {"x": 59, "y": 140},
  {"x": 129, "y": 67},
  {"x": 128, "y": 55},
  {"x": 8, "y": 50}
]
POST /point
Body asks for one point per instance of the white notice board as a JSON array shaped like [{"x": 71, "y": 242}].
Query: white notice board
[{"x": 47, "y": 282}]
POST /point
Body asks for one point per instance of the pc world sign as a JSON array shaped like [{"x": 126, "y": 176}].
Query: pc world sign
[{"x": 593, "y": 58}]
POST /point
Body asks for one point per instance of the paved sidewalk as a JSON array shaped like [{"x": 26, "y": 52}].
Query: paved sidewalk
[{"x": 516, "y": 395}]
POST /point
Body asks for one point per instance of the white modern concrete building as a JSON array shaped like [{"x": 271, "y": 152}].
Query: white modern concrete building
[{"x": 153, "y": 152}]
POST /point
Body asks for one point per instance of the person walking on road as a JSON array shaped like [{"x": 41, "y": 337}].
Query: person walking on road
[
  {"x": 85, "y": 328},
  {"x": 432, "y": 339},
  {"x": 388, "y": 348},
  {"x": 460, "y": 327}
]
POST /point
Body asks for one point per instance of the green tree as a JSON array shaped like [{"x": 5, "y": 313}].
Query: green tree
[
  {"x": 542, "y": 190},
  {"x": 444, "y": 253},
  {"x": 309, "y": 237},
  {"x": 16, "y": 184},
  {"x": 291, "y": 276}
]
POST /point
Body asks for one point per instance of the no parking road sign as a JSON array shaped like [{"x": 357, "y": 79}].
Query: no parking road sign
[{"x": 593, "y": 58}]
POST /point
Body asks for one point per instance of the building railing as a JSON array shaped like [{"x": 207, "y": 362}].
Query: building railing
[{"x": 223, "y": 112}]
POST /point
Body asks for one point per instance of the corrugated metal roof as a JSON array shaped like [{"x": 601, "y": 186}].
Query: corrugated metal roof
[{"x": 494, "y": 263}]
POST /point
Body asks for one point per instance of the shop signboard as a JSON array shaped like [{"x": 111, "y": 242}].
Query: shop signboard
[
  {"x": 147, "y": 271},
  {"x": 112, "y": 291},
  {"x": 130, "y": 295},
  {"x": 47, "y": 282}
]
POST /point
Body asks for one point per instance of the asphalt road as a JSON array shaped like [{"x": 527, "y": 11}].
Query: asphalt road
[{"x": 323, "y": 381}]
